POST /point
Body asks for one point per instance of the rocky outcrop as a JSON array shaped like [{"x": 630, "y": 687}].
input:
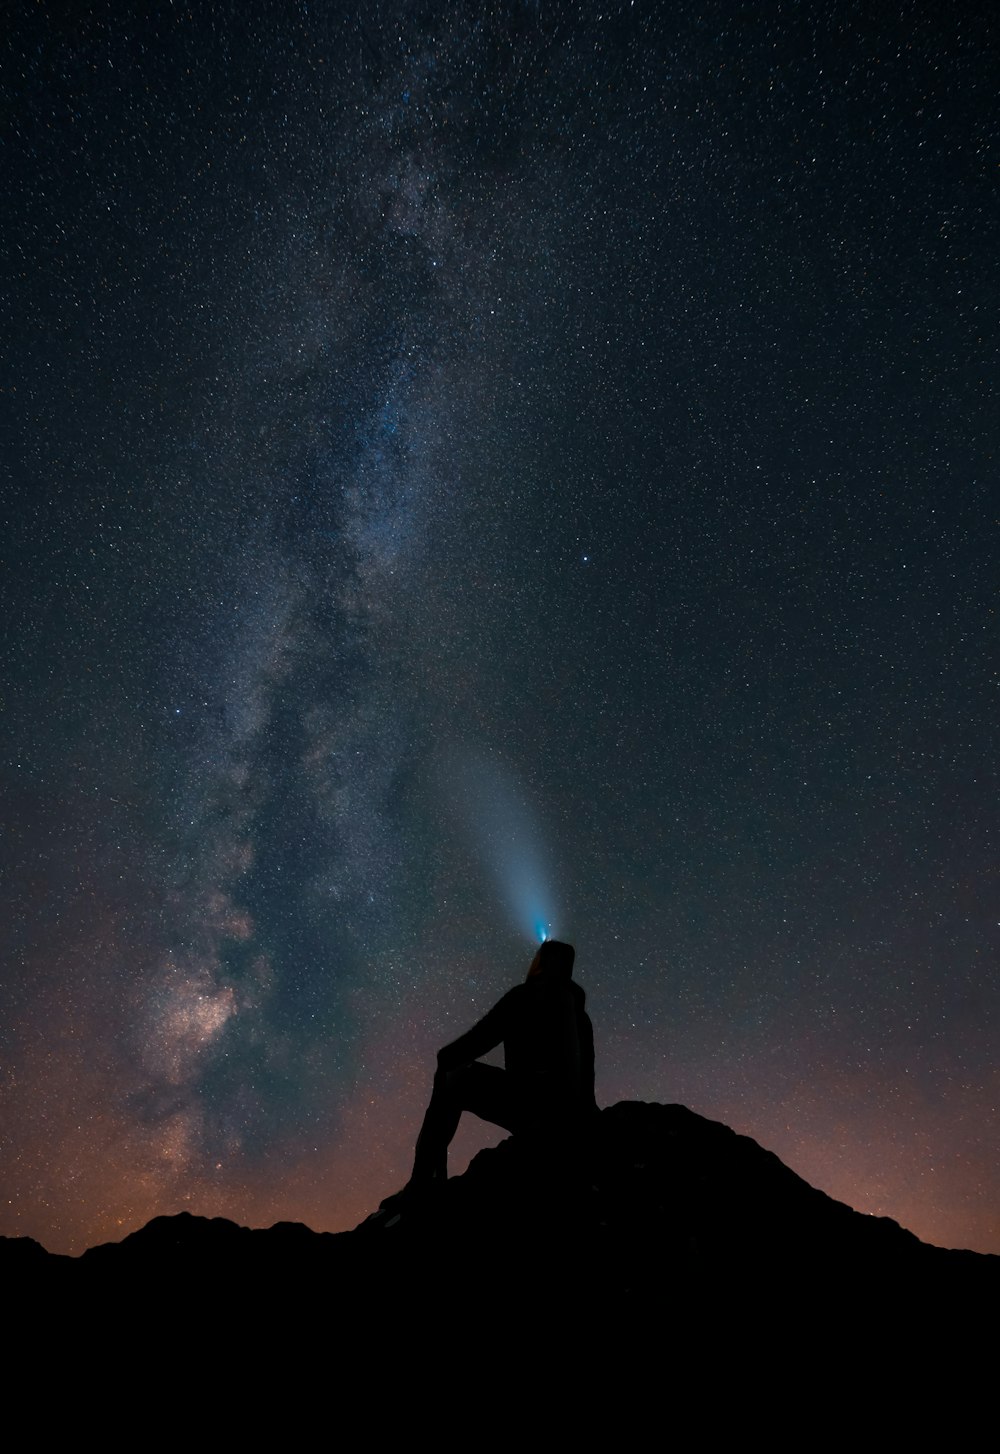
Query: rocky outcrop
[{"x": 655, "y": 1207}]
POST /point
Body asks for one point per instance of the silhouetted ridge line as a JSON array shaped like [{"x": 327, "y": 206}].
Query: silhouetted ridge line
[{"x": 656, "y": 1205}]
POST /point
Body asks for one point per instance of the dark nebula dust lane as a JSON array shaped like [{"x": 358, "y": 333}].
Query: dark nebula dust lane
[{"x": 472, "y": 474}]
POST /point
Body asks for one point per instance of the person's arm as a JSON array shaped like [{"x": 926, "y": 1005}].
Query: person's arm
[{"x": 483, "y": 1036}]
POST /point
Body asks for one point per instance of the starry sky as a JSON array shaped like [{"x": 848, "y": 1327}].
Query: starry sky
[{"x": 473, "y": 468}]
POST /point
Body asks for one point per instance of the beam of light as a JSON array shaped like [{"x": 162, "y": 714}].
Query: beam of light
[{"x": 494, "y": 808}]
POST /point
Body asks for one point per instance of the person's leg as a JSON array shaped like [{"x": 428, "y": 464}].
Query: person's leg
[{"x": 483, "y": 1089}]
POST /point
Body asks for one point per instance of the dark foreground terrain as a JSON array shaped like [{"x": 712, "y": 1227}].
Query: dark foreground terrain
[{"x": 663, "y": 1232}]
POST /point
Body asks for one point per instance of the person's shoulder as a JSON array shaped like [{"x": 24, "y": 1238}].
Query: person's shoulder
[
  {"x": 510, "y": 999},
  {"x": 517, "y": 992}
]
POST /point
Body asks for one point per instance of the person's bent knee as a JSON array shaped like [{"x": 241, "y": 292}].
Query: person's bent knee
[{"x": 447, "y": 1080}]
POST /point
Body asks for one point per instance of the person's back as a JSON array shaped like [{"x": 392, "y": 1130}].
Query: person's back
[{"x": 549, "y": 1041}]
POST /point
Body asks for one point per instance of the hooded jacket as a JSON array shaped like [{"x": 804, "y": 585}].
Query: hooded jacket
[{"x": 548, "y": 1040}]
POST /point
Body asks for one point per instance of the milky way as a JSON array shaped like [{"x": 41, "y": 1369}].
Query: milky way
[{"x": 468, "y": 472}]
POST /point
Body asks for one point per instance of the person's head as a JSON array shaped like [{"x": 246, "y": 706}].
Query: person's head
[{"x": 554, "y": 959}]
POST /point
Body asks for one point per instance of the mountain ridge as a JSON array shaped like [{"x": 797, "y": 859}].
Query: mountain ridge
[{"x": 654, "y": 1196}]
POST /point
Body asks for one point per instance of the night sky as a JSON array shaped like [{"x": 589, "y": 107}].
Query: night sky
[{"x": 474, "y": 471}]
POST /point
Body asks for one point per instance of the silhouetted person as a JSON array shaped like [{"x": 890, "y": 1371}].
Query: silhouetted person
[{"x": 548, "y": 1084}]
